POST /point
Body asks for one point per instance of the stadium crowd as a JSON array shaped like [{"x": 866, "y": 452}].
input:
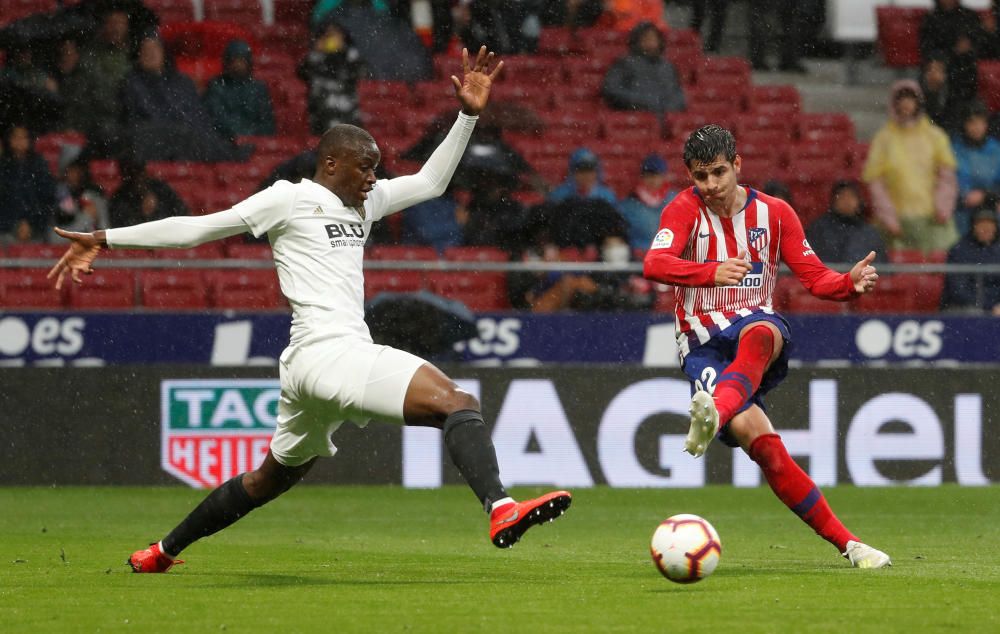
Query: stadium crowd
[{"x": 112, "y": 106}]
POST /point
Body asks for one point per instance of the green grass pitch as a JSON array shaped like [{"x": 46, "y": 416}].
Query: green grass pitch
[{"x": 383, "y": 559}]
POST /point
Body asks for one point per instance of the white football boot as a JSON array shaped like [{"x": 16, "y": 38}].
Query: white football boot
[
  {"x": 704, "y": 424},
  {"x": 864, "y": 556}
]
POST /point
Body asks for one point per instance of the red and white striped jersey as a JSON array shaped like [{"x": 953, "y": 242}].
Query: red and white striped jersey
[{"x": 693, "y": 240}]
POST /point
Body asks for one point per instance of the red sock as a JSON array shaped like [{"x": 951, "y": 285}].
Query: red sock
[
  {"x": 797, "y": 490},
  {"x": 741, "y": 378}
]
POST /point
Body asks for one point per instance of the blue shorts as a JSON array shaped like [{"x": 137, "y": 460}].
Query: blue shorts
[{"x": 707, "y": 362}]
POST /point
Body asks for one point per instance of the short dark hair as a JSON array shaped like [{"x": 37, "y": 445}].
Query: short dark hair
[
  {"x": 708, "y": 142},
  {"x": 340, "y": 137}
]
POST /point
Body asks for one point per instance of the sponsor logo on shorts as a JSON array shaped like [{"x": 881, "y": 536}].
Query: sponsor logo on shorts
[
  {"x": 213, "y": 430},
  {"x": 663, "y": 239}
]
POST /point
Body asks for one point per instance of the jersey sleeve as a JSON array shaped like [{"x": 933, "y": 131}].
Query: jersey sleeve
[
  {"x": 268, "y": 209},
  {"x": 796, "y": 252},
  {"x": 663, "y": 262},
  {"x": 431, "y": 181},
  {"x": 178, "y": 232}
]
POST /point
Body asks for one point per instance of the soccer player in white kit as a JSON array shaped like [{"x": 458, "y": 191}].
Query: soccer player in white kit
[{"x": 331, "y": 371}]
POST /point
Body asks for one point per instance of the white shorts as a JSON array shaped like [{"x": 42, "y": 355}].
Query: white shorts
[{"x": 327, "y": 383}]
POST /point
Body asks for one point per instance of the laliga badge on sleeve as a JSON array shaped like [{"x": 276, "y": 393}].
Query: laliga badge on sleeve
[{"x": 663, "y": 239}]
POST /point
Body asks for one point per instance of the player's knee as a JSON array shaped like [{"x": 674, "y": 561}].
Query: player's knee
[
  {"x": 457, "y": 399},
  {"x": 263, "y": 487}
]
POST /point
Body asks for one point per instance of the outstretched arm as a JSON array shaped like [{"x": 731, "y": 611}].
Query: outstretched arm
[
  {"x": 473, "y": 93},
  {"x": 176, "y": 232}
]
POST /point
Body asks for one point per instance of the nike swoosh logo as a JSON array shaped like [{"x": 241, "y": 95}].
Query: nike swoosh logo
[
  {"x": 512, "y": 518},
  {"x": 704, "y": 235}
]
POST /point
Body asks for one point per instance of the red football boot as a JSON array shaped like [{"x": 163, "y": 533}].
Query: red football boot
[
  {"x": 151, "y": 559},
  {"x": 510, "y": 521}
]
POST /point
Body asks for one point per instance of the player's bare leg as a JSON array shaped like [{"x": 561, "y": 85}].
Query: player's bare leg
[
  {"x": 434, "y": 400},
  {"x": 225, "y": 505},
  {"x": 753, "y": 430}
]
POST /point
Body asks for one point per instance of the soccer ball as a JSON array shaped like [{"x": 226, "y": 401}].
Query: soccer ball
[{"x": 685, "y": 548}]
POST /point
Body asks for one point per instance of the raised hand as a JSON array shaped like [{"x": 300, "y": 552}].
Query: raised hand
[
  {"x": 732, "y": 271},
  {"x": 79, "y": 258},
  {"x": 474, "y": 89},
  {"x": 863, "y": 274}
]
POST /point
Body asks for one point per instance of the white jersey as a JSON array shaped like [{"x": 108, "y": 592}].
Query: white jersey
[
  {"x": 318, "y": 242},
  {"x": 318, "y": 245}
]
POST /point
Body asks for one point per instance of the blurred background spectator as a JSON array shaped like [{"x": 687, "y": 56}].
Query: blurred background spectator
[
  {"x": 104, "y": 63},
  {"x": 625, "y": 15},
  {"x": 941, "y": 104},
  {"x": 504, "y": 27},
  {"x": 22, "y": 72},
  {"x": 843, "y": 234},
  {"x": 27, "y": 189},
  {"x": 238, "y": 103},
  {"x": 979, "y": 246},
  {"x": 436, "y": 222},
  {"x": 642, "y": 208},
  {"x": 583, "y": 180},
  {"x": 643, "y": 79},
  {"x": 779, "y": 189},
  {"x": 332, "y": 70},
  {"x": 81, "y": 202},
  {"x": 978, "y": 158},
  {"x": 164, "y": 116},
  {"x": 715, "y": 11},
  {"x": 142, "y": 198},
  {"x": 911, "y": 174},
  {"x": 372, "y": 25},
  {"x": 780, "y": 21}
]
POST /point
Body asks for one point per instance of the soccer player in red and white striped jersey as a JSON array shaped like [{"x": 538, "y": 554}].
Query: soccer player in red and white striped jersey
[{"x": 720, "y": 243}]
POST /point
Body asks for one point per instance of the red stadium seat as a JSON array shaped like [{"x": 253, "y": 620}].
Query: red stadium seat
[
  {"x": 894, "y": 295},
  {"x": 898, "y": 35},
  {"x": 478, "y": 291},
  {"x": 402, "y": 252},
  {"x": 989, "y": 83},
  {"x": 127, "y": 254},
  {"x": 802, "y": 301},
  {"x": 207, "y": 251},
  {"x": 23, "y": 289},
  {"x": 34, "y": 251},
  {"x": 786, "y": 95},
  {"x": 831, "y": 125},
  {"x": 476, "y": 254},
  {"x": 249, "y": 251},
  {"x": 250, "y": 289},
  {"x": 104, "y": 289},
  {"x": 727, "y": 71},
  {"x": 174, "y": 289},
  {"x": 392, "y": 282},
  {"x": 720, "y": 96}
]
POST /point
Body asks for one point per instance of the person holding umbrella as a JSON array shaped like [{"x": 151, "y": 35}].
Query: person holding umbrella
[{"x": 332, "y": 371}]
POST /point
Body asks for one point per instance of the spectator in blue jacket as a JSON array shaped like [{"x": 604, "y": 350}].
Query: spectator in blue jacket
[
  {"x": 584, "y": 179},
  {"x": 978, "y": 157},
  {"x": 980, "y": 245},
  {"x": 643, "y": 207}
]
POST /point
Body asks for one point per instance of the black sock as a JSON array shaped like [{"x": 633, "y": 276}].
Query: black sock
[
  {"x": 221, "y": 508},
  {"x": 471, "y": 449}
]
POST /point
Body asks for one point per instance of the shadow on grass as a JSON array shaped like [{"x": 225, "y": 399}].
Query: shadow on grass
[{"x": 268, "y": 580}]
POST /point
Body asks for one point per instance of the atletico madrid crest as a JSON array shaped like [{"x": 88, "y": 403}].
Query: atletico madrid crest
[{"x": 757, "y": 238}]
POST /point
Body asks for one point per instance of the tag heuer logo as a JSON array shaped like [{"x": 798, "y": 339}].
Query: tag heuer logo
[
  {"x": 318, "y": 211},
  {"x": 213, "y": 430}
]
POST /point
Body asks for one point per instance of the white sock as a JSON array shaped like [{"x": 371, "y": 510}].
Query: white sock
[
  {"x": 501, "y": 502},
  {"x": 165, "y": 553}
]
